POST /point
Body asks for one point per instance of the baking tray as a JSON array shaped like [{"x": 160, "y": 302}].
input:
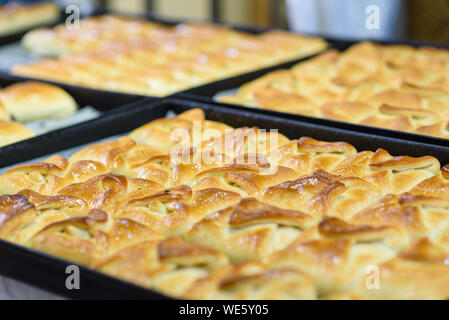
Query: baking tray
[
  {"x": 166, "y": 21},
  {"x": 48, "y": 272},
  {"x": 206, "y": 93}
]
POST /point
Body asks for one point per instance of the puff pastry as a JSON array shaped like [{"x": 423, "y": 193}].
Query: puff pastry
[
  {"x": 395, "y": 87},
  {"x": 30, "y": 101},
  {"x": 16, "y": 17},
  {"x": 305, "y": 219},
  {"x": 109, "y": 53}
]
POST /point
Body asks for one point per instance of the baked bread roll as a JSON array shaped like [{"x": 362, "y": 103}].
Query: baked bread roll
[
  {"x": 30, "y": 101},
  {"x": 4, "y": 114},
  {"x": 304, "y": 219},
  {"x": 12, "y": 132},
  {"x": 16, "y": 17}
]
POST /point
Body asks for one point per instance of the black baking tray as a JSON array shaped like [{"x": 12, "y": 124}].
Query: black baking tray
[
  {"x": 48, "y": 272},
  {"x": 207, "y": 92}
]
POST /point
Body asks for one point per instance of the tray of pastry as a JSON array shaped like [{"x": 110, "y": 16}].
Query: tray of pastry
[
  {"x": 31, "y": 108},
  {"x": 392, "y": 89},
  {"x": 17, "y": 18},
  {"x": 151, "y": 58},
  {"x": 214, "y": 203}
]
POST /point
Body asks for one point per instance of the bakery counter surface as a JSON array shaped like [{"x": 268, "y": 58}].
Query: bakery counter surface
[{"x": 318, "y": 210}]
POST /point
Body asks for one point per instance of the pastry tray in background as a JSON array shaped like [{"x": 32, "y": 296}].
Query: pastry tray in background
[
  {"x": 48, "y": 272},
  {"x": 210, "y": 93},
  {"x": 9, "y": 38},
  {"x": 13, "y": 47}
]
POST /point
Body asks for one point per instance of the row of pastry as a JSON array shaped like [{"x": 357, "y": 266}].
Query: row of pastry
[{"x": 315, "y": 227}]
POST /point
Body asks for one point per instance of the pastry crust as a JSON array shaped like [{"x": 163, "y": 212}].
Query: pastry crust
[
  {"x": 388, "y": 86},
  {"x": 326, "y": 222},
  {"x": 12, "y": 132},
  {"x": 174, "y": 58},
  {"x": 30, "y": 101},
  {"x": 4, "y": 114},
  {"x": 16, "y": 17}
]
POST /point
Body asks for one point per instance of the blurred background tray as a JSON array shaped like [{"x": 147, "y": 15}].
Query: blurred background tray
[{"x": 212, "y": 92}]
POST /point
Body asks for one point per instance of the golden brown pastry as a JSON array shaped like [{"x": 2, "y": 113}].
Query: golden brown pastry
[
  {"x": 388, "y": 86},
  {"x": 16, "y": 17},
  {"x": 12, "y": 132},
  {"x": 30, "y": 101},
  {"x": 196, "y": 209},
  {"x": 137, "y": 56}
]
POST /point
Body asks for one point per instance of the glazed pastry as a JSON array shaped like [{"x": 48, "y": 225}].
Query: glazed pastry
[
  {"x": 193, "y": 208},
  {"x": 31, "y": 101}
]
